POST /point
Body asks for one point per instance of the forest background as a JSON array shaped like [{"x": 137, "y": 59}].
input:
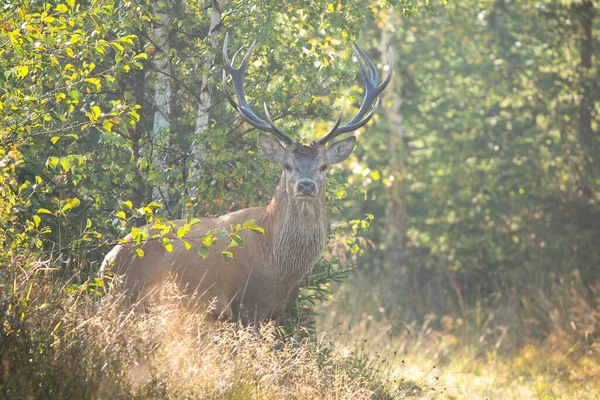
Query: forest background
[{"x": 465, "y": 230}]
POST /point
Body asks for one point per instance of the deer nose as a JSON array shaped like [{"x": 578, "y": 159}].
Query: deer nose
[{"x": 306, "y": 187}]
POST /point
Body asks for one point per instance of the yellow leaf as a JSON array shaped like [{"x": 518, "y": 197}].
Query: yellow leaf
[
  {"x": 61, "y": 8},
  {"x": 182, "y": 231},
  {"x": 65, "y": 163},
  {"x": 22, "y": 71},
  {"x": 75, "y": 38},
  {"x": 139, "y": 252},
  {"x": 135, "y": 233}
]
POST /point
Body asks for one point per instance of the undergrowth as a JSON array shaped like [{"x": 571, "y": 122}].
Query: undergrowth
[
  {"x": 540, "y": 344},
  {"x": 61, "y": 339}
]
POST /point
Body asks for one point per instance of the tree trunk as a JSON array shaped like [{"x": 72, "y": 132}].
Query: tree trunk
[
  {"x": 162, "y": 105},
  {"x": 585, "y": 12},
  {"x": 140, "y": 192},
  {"x": 202, "y": 121},
  {"x": 395, "y": 211}
]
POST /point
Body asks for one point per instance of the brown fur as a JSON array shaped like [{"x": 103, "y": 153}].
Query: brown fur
[{"x": 265, "y": 274}]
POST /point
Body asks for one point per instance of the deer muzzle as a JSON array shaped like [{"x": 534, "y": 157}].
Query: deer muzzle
[{"x": 306, "y": 188}]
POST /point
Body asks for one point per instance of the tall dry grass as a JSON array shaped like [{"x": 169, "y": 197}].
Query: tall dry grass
[
  {"x": 62, "y": 340},
  {"x": 542, "y": 344}
]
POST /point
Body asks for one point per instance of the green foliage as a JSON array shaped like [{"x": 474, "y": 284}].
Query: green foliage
[
  {"x": 61, "y": 110},
  {"x": 76, "y": 112},
  {"x": 498, "y": 174}
]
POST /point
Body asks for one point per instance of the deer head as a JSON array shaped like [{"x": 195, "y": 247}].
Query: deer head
[{"x": 304, "y": 166}]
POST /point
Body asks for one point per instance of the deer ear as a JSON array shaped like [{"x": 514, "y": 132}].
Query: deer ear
[
  {"x": 271, "y": 148},
  {"x": 340, "y": 150}
]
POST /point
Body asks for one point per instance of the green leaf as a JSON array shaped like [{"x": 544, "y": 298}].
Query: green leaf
[
  {"x": 71, "y": 203},
  {"x": 119, "y": 48},
  {"x": 126, "y": 39},
  {"x": 236, "y": 240},
  {"x": 65, "y": 163},
  {"x": 53, "y": 162},
  {"x": 107, "y": 125},
  {"x": 194, "y": 221},
  {"x": 250, "y": 225},
  {"x": 203, "y": 251},
  {"x": 23, "y": 186},
  {"x": 227, "y": 255},
  {"x": 207, "y": 240}
]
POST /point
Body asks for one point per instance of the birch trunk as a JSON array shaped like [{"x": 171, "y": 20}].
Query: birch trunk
[
  {"x": 395, "y": 211},
  {"x": 162, "y": 105},
  {"x": 202, "y": 121}
]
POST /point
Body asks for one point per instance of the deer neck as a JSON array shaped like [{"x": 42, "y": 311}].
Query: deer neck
[{"x": 299, "y": 234}]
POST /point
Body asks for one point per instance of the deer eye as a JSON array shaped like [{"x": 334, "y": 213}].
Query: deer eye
[
  {"x": 287, "y": 167},
  {"x": 324, "y": 167}
]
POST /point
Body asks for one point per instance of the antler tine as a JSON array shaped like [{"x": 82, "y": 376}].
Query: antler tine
[
  {"x": 272, "y": 125},
  {"x": 372, "y": 90},
  {"x": 241, "y": 105},
  {"x": 329, "y": 134}
]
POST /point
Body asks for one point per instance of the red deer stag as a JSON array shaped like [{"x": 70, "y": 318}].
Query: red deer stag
[{"x": 264, "y": 275}]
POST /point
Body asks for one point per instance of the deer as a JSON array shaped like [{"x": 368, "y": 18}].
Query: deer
[{"x": 264, "y": 275}]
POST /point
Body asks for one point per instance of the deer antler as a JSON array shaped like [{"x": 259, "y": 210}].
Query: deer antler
[
  {"x": 242, "y": 106},
  {"x": 372, "y": 90}
]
